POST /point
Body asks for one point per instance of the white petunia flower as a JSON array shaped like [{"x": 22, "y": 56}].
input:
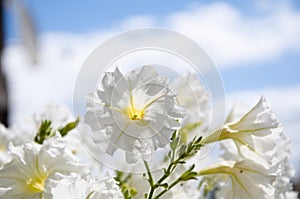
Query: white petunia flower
[
  {"x": 257, "y": 130},
  {"x": 34, "y": 169},
  {"x": 243, "y": 179},
  {"x": 193, "y": 97},
  {"x": 133, "y": 109}
]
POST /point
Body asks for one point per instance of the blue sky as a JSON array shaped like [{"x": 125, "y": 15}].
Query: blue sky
[
  {"x": 280, "y": 72},
  {"x": 77, "y": 17}
]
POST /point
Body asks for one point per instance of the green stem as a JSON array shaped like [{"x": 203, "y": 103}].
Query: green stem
[
  {"x": 166, "y": 174},
  {"x": 153, "y": 185},
  {"x": 183, "y": 153},
  {"x": 171, "y": 167},
  {"x": 151, "y": 181},
  {"x": 170, "y": 187}
]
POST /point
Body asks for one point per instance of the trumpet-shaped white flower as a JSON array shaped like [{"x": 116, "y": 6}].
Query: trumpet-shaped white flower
[
  {"x": 193, "y": 97},
  {"x": 278, "y": 161},
  {"x": 258, "y": 130},
  {"x": 34, "y": 169},
  {"x": 133, "y": 109},
  {"x": 243, "y": 179}
]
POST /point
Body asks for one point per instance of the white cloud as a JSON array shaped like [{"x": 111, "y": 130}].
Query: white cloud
[
  {"x": 138, "y": 21},
  {"x": 231, "y": 37}
]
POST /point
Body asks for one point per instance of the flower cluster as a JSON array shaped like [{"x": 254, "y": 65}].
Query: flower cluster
[
  {"x": 138, "y": 114},
  {"x": 50, "y": 162}
]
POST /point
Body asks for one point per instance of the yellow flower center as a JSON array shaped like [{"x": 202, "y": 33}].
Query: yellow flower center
[
  {"x": 138, "y": 113},
  {"x": 2, "y": 148},
  {"x": 135, "y": 114},
  {"x": 36, "y": 184},
  {"x": 3, "y": 144}
]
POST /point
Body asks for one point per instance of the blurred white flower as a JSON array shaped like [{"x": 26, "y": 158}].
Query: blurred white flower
[
  {"x": 34, "y": 169},
  {"x": 193, "y": 97},
  {"x": 8, "y": 135},
  {"x": 75, "y": 146},
  {"x": 181, "y": 193},
  {"x": 58, "y": 114},
  {"x": 133, "y": 109},
  {"x": 243, "y": 179},
  {"x": 4, "y": 140}
]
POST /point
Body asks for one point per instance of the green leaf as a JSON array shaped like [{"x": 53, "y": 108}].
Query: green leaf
[
  {"x": 174, "y": 141},
  {"x": 68, "y": 127},
  {"x": 164, "y": 185},
  {"x": 122, "y": 179},
  {"x": 189, "y": 175},
  {"x": 44, "y": 132}
]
